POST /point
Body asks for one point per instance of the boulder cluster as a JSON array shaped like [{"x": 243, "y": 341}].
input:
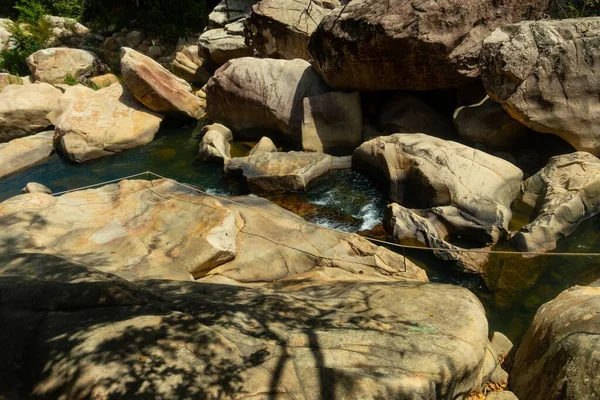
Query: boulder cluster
[{"x": 154, "y": 289}]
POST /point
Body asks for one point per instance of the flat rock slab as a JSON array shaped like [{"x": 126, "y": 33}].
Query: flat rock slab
[
  {"x": 77, "y": 332},
  {"x": 24, "y": 109},
  {"x": 546, "y": 75},
  {"x": 21, "y": 153},
  {"x": 563, "y": 194},
  {"x": 284, "y": 172}
]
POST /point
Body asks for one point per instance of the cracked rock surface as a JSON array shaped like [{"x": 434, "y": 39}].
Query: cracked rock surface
[
  {"x": 564, "y": 193},
  {"x": 94, "y": 124},
  {"x": 545, "y": 74}
]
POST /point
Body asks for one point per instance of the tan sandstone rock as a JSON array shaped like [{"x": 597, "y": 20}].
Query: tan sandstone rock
[
  {"x": 545, "y": 75},
  {"x": 563, "y": 194},
  {"x": 54, "y": 65},
  {"x": 264, "y": 145},
  {"x": 214, "y": 146},
  {"x": 24, "y": 109},
  {"x": 284, "y": 172},
  {"x": 157, "y": 88},
  {"x": 187, "y": 63},
  {"x": 98, "y": 123},
  {"x": 21, "y": 153}
]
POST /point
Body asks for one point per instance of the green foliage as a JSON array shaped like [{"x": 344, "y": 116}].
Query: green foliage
[
  {"x": 29, "y": 34},
  {"x": 578, "y": 8},
  {"x": 69, "y": 80},
  {"x": 67, "y": 8}
]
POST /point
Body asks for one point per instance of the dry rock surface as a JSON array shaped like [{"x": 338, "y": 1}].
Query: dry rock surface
[
  {"x": 21, "y": 153},
  {"x": 282, "y": 28},
  {"x": 94, "y": 124},
  {"x": 284, "y": 172},
  {"x": 24, "y": 109},
  {"x": 559, "y": 357},
  {"x": 157, "y": 88},
  {"x": 545, "y": 74},
  {"x": 371, "y": 45},
  {"x": 563, "y": 194},
  {"x": 223, "y": 44},
  {"x": 54, "y": 65}
]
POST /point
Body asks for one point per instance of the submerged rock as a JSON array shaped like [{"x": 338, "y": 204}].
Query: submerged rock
[
  {"x": 55, "y": 65},
  {"x": 488, "y": 123},
  {"x": 95, "y": 335},
  {"x": 546, "y": 75},
  {"x": 559, "y": 356},
  {"x": 371, "y": 45},
  {"x": 429, "y": 172},
  {"x": 157, "y": 88},
  {"x": 99, "y": 123},
  {"x": 24, "y": 109},
  {"x": 282, "y": 28},
  {"x": 564, "y": 193},
  {"x": 284, "y": 172},
  {"x": 22, "y": 153}
]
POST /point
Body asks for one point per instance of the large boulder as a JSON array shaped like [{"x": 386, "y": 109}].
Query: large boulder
[
  {"x": 24, "y": 109},
  {"x": 24, "y": 152},
  {"x": 158, "y": 89},
  {"x": 99, "y": 123},
  {"x": 559, "y": 356},
  {"x": 284, "y": 172},
  {"x": 75, "y": 332},
  {"x": 54, "y": 65},
  {"x": 160, "y": 229},
  {"x": 372, "y": 45},
  {"x": 563, "y": 194},
  {"x": 282, "y": 28},
  {"x": 545, "y": 74},
  {"x": 187, "y": 63},
  {"x": 486, "y": 122},
  {"x": 223, "y": 44},
  {"x": 427, "y": 172},
  {"x": 284, "y": 98}
]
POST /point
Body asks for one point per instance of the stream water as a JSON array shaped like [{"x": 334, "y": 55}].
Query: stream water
[{"x": 514, "y": 287}]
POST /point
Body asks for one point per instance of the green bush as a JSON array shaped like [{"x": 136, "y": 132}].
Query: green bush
[
  {"x": 576, "y": 8},
  {"x": 29, "y": 34}
]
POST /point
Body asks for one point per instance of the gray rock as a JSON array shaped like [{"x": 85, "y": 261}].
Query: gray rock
[
  {"x": 33, "y": 187},
  {"x": 486, "y": 122},
  {"x": 405, "y": 113},
  {"x": 545, "y": 74},
  {"x": 501, "y": 344},
  {"x": 559, "y": 356},
  {"x": 284, "y": 172},
  {"x": 134, "y": 39},
  {"x": 228, "y": 11},
  {"x": 563, "y": 194},
  {"x": 223, "y": 44},
  {"x": 372, "y": 45},
  {"x": 264, "y": 145},
  {"x": 214, "y": 147},
  {"x": 222, "y": 129},
  {"x": 5, "y": 33},
  {"x": 22, "y": 153},
  {"x": 332, "y": 123},
  {"x": 282, "y": 28}
]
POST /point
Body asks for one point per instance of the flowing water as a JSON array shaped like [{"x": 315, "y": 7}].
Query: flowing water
[{"x": 514, "y": 286}]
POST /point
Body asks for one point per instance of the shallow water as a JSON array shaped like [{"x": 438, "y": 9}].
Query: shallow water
[{"x": 515, "y": 286}]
